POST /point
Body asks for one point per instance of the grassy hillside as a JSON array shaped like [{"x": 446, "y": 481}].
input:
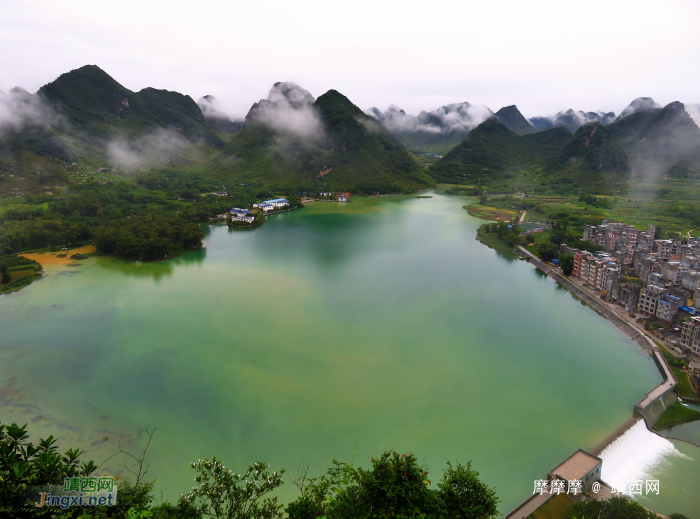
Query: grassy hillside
[{"x": 351, "y": 152}]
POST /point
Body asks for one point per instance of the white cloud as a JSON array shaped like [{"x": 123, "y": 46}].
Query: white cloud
[
  {"x": 19, "y": 108},
  {"x": 156, "y": 148},
  {"x": 289, "y": 109},
  {"x": 446, "y": 119}
]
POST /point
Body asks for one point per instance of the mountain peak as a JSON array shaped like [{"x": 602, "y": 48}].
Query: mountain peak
[
  {"x": 289, "y": 92},
  {"x": 511, "y": 117},
  {"x": 639, "y": 104}
]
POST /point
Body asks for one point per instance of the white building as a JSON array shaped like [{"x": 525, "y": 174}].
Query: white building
[
  {"x": 342, "y": 198},
  {"x": 268, "y": 205}
]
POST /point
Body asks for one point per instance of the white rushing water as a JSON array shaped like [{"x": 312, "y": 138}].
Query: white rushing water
[{"x": 634, "y": 456}]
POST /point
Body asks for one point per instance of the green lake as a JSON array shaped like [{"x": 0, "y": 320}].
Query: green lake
[{"x": 334, "y": 331}]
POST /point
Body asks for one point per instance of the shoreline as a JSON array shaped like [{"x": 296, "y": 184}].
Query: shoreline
[{"x": 658, "y": 394}]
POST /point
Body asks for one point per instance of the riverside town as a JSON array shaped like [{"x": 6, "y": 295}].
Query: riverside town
[{"x": 345, "y": 261}]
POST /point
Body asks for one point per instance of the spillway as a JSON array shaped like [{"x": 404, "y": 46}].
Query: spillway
[{"x": 636, "y": 455}]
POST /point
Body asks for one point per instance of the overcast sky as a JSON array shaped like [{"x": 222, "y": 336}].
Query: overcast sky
[{"x": 543, "y": 56}]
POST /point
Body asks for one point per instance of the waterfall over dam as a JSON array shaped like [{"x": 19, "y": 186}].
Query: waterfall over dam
[{"x": 634, "y": 455}]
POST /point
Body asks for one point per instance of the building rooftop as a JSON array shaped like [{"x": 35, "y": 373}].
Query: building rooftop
[{"x": 576, "y": 466}]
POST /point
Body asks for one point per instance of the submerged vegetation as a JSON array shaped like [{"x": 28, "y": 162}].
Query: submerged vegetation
[{"x": 17, "y": 272}]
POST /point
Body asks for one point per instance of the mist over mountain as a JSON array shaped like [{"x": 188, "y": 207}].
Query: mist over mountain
[
  {"x": 571, "y": 120},
  {"x": 639, "y": 104},
  {"x": 660, "y": 141},
  {"x": 328, "y": 143},
  {"x": 438, "y": 130},
  {"x": 447, "y": 119},
  {"x": 215, "y": 116},
  {"x": 592, "y": 159},
  {"x": 292, "y": 139},
  {"x": 94, "y": 102}
]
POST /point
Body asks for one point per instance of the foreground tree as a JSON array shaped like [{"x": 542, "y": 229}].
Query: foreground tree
[
  {"x": 222, "y": 494},
  {"x": 567, "y": 264},
  {"x": 23, "y": 464}
]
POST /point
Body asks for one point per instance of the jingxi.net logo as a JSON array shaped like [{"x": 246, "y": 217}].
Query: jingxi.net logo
[{"x": 88, "y": 491}]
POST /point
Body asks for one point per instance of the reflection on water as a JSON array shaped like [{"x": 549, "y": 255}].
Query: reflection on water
[{"x": 151, "y": 269}]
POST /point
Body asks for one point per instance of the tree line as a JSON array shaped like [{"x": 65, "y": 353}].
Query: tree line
[
  {"x": 393, "y": 486},
  {"x": 145, "y": 219}
]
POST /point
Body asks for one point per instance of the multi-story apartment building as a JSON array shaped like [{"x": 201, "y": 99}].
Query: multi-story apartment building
[
  {"x": 626, "y": 295},
  {"x": 663, "y": 248},
  {"x": 667, "y": 307},
  {"x": 690, "y": 335},
  {"x": 690, "y": 279},
  {"x": 649, "y": 298}
]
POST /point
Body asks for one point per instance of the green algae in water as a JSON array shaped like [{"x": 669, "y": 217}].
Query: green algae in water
[{"x": 334, "y": 330}]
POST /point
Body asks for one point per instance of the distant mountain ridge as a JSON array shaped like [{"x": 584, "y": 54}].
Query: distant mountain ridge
[
  {"x": 295, "y": 140},
  {"x": 445, "y": 127},
  {"x": 493, "y": 152},
  {"x": 571, "y": 120}
]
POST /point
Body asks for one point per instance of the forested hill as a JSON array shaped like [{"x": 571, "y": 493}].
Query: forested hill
[
  {"x": 492, "y": 152},
  {"x": 87, "y": 118},
  {"x": 660, "y": 141},
  {"x": 591, "y": 160},
  {"x": 93, "y": 102},
  {"x": 326, "y": 144},
  {"x": 648, "y": 143},
  {"x": 512, "y": 119}
]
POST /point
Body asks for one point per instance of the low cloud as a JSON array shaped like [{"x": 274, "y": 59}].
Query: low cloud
[
  {"x": 288, "y": 109},
  {"x": 370, "y": 124},
  {"x": 19, "y": 108},
  {"x": 212, "y": 108},
  {"x": 157, "y": 148},
  {"x": 446, "y": 119}
]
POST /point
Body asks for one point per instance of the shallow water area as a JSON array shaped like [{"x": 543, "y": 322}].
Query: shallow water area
[{"x": 334, "y": 331}]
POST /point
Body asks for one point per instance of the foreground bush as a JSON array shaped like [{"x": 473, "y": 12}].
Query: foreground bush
[{"x": 396, "y": 487}]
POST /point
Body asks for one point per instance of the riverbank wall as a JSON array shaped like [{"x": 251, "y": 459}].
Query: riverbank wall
[
  {"x": 654, "y": 403},
  {"x": 648, "y": 408}
]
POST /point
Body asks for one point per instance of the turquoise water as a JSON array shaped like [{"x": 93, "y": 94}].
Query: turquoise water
[{"x": 335, "y": 331}]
